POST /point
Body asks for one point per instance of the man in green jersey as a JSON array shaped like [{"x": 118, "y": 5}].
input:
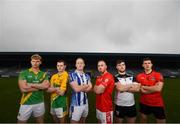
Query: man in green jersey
[{"x": 32, "y": 82}]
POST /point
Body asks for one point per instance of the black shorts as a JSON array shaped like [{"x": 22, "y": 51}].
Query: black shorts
[
  {"x": 158, "y": 112},
  {"x": 125, "y": 111}
]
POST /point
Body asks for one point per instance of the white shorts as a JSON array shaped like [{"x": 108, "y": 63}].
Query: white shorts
[
  {"x": 104, "y": 117},
  {"x": 76, "y": 112},
  {"x": 59, "y": 112},
  {"x": 25, "y": 111}
]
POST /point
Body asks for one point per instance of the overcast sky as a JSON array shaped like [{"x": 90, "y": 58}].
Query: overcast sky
[{"x": 119, "y": 26}]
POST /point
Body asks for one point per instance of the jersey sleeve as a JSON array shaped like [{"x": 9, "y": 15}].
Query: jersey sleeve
[
  {"x": 115, "y": 79},
  {"x": 72, "y": 77},
  {"x": 22, "y": 76},
  {"x": 138, "y": 78},
  {"x": 134, "y": 79},
  {"x": 51, "y": 80},
  {"x": 46, "y": 77},
  {"x": 159, "y": 77},
  {"x": 64, "y": 82},
  {"x": 88, "y": 78}
]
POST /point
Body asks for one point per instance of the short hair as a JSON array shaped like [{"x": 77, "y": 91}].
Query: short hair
[
  {"x": 36, "y": 56},
  {"x": 119, "y": 61},
  {"x": 80, "y": 58},
  {"x": 61, "y": 60},
  {"x": 147, "y": 59},
  {"x": 101, "y": 60}
]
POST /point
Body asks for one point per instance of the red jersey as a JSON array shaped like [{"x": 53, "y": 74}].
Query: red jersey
[
  {"x": 153, "y": 99},
  {"x": 104, "y": 100}
]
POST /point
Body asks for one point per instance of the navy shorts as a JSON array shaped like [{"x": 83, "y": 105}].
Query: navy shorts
[{"x": 158, "y": 112}]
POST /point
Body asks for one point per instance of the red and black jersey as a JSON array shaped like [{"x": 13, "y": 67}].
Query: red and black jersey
[{"x": 153, "y": 99}]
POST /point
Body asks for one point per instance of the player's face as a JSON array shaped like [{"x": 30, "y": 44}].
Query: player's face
[
  {"x": 121, "y": 67},
  {"x": 80, "y": 64},
  {"x": 35, "y": 63},
  {"x": 60, "y": 66},
  {"x": 102, "y": 67},
  {"x": 147, "y": 65}
]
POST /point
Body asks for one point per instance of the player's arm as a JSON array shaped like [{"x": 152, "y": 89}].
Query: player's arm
[
  {"x": 51, "y": 89},
  {"x": 25, "y": 87},
  {"x": 89, "y": 88},
  {"x": 78, "y": 88},
  {"x": 44, "y": 85},
  {"x": 122, "y": 88},
  {"x": 61, "y": 91},
  {"x": 135, "y": 87},
  {"x": 151, "y": 89},
  {"x": 99, "y": 89}
]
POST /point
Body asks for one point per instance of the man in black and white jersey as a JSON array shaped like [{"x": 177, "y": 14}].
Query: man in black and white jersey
[{"x": 124, "y": 98}]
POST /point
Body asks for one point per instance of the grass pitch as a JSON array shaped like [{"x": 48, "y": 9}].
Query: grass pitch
[{"x": 10, "y": 97}]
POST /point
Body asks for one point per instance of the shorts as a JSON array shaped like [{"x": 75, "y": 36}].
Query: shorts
[
  {"x": 76, "y": 112},
  {"x": 25, "y": 111},
  {"x": 104, "y": 117},
  {"x": 59, "y": 112},
  {"x": 157, "y": 111},
  {"x": 125, "y": 111}
]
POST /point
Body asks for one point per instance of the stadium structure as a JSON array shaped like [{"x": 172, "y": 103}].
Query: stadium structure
[{"x": 11, "y": 63}]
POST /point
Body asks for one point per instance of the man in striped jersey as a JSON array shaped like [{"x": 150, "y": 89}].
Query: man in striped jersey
[
  {"x": 81, "y": 84},
  {"x": 32, "y": 82}
]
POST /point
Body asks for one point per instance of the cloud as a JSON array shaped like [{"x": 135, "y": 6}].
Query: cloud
[{"x": 132, "y": 26}]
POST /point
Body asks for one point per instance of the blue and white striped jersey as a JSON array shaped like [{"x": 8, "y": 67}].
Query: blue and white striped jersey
[{"x": 79, "y": 98}]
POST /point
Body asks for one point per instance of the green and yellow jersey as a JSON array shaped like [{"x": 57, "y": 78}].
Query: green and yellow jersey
[
  {"x": 60, "y": 81},
  {"x": 35, "y": 97}
]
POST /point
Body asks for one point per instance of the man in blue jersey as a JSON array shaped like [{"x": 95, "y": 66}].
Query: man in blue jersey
[{"x": 81, "y": 84}]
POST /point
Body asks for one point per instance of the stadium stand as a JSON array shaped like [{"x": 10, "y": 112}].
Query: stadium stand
[{"x": 13, "y": 63}]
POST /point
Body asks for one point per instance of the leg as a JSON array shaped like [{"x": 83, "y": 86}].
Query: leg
[
  {"x": 55, "y": 119},
  {"x": 62, "y": 120},
  {"x": 131, "y": 120},
  {"x": 83, "y": 120},
  {"x": 38, "y": 112},
  {"x": 74, "y": 122},
  {"x": 118, "y": 120},
  {"x": 21, "y": 122},
  {"x": 131, "y": 114},
  {"x": 161, "y": 121},
  {"x": 98, "y": 115},
  {"x": 144, "y": 111},
  {"x": 24, "y": 114},
  {"x": 59, "y": 114},
  {"x": 76, "y": 114},
  {"x": 99, "y": 121},
  {"x": 40, "y": 119},
  {"x": 143, "y": 118},
  {"x": 159, "y": 113},
  {"x": 119, "y": 114},
  {"x": 84, "y": 113}
]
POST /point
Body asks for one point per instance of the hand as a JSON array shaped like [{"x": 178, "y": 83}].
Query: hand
[
  {"x": 57, "y": 91},
  {"x": 136, "y": 87},
  {"x": 143, "y": 90},
  {"x": 45, "y": 85},
  {"x": 85, "y": 87}
]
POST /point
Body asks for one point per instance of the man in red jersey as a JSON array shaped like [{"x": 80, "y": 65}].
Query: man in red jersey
[
  {"x": 151, "y": 100},
  {"x": 103, "y": 89}
]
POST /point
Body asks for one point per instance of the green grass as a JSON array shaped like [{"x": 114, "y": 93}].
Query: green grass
[{"x": 10, "y": 98}]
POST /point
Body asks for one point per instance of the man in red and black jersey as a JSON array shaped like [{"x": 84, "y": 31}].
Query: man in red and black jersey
[{"x": 151, "y": 100}]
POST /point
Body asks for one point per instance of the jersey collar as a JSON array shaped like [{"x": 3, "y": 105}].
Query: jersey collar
[{"x": 30, "y": 70}]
